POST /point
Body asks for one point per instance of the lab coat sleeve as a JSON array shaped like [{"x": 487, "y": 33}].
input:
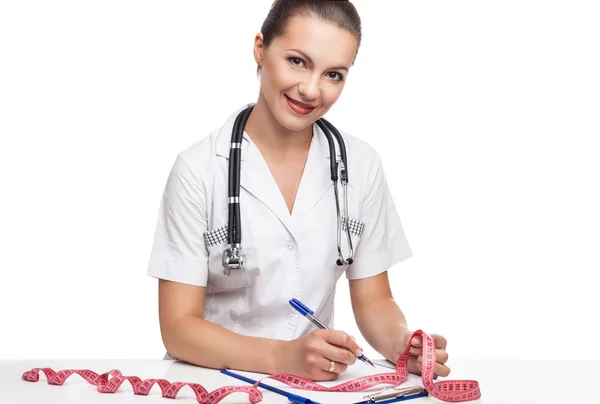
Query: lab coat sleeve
[
  {"x": 383, "y": 242},
  {"x": 179, "y": 252}
]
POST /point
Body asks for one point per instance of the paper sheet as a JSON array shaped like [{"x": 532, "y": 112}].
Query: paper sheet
[{"x": 359, "y": 369}]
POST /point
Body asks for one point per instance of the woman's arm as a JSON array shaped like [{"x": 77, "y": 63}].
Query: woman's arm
[
  {"x": 187, "y": 336},
  {"x": 377, "y": 315},
  {"x": 383, "y": 324}
]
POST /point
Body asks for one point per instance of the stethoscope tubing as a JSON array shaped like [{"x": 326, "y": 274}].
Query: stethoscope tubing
[{"x": 234, "y": 230}]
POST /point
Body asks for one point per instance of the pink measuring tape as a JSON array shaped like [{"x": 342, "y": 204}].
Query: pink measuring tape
[{"x": 447, "y": 390}]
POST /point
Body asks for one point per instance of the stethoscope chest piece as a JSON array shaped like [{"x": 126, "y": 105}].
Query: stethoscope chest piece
[{"x": 234, "y": 259}]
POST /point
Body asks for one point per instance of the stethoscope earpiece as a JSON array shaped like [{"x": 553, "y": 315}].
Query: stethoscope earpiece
[{"x": 233, "y": 257}]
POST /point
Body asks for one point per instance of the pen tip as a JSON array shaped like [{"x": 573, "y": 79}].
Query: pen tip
[{"x": 367, "y": 360}]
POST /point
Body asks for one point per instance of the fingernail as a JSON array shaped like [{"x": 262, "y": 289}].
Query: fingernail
[
  {"x": 359, "y": 352},
  {"x": 417, "y": 340}
]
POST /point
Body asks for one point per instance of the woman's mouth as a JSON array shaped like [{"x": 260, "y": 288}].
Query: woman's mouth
[{"x": 299, "y": 107}]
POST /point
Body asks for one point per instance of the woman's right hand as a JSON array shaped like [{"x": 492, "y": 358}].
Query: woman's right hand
[{"x": 310, "y": 356}]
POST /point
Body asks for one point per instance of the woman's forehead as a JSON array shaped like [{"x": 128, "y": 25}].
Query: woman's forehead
[{"x": 323, "y": 42}]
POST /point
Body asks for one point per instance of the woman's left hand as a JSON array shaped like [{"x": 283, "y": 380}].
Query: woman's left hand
[{"x": 416, "y": 350}]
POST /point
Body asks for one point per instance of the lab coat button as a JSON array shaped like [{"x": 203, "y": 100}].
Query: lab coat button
[
  {"x": 288, "y": 315},
  {"x": 290, "y": 247}
]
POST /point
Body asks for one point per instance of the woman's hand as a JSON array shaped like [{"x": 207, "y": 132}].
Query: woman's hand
[
  {"x": 415, "y": 360},
  {"x": 311, "y": 356}
]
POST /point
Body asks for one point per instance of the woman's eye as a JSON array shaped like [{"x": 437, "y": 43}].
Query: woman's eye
[
  {"x": 296, "y": 61},
  {"x": 333, "y": 75}
]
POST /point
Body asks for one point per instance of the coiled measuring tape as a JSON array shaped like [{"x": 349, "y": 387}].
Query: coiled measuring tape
[{"x": 447, "y": 390}]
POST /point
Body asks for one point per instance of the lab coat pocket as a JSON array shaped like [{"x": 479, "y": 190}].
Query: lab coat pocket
[
  {"x": 356, "y": 229},
  {"x": 216, "y": 243},
  {"x": 356, "y": 226}
]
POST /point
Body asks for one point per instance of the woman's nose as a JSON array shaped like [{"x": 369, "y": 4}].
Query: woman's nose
[{"x": 309, "y": 88}]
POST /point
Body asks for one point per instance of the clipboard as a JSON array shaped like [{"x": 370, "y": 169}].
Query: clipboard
[
  {"x": 407, "y": 393},
  {"x": 294, "y": 398},
  {"x": 377, "y": 395}
]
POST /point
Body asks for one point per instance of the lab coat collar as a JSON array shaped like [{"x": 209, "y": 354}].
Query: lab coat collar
[
  {"x": 223, "y": 141},
  {"x": 323, "y": 143}
]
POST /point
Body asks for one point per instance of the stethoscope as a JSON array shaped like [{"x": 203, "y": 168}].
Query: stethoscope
[{"x": 233, "y": 257}]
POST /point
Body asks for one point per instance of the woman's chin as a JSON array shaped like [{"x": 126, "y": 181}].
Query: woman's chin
[{"x": 294, "y": 123}]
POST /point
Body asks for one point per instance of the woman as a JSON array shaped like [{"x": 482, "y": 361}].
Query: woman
[{"x": 242, "y": 320}]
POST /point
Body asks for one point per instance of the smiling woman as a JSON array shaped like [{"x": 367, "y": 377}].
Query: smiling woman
[
  {"x": 216, "y": 314},
  {"x": 303, "y": 53}
]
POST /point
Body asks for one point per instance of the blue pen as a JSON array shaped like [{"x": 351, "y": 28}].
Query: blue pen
[{"x": 309, "y": 314}]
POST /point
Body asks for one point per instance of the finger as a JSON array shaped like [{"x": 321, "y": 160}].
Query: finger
[
  {"x": 320, "y": 375},
  {"x": 336, "y": 367},
  {"x": 319, "y": 369},
  {"x": 441, "y": 356},
  {"x": 337, "y": 354},
  {"x": 440, "y": 342},
  {"x": 412, "y": 365},
  {"x": 417, "y": 344},
  {"x": 415, "y": 341},
  {"x": 342, "y": 340},
  {"x": 416, "y": 351},
  {"x": 439, "y": 370}
]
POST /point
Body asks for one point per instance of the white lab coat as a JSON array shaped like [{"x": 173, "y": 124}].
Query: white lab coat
[{"x": 287, "y": 255}]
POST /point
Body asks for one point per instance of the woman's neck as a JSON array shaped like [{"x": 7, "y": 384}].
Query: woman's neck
[{"x": 273, "y": 139}]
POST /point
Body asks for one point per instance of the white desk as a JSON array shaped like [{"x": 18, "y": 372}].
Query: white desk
[{"x": 501, "y": 382}]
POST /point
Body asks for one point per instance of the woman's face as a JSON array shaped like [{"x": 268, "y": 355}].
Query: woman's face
[{"x": 308, "y": 64}]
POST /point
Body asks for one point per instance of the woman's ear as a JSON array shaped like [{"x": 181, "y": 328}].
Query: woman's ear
[{"x": 258, "y": 48}]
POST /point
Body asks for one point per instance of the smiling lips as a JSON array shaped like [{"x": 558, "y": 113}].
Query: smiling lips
[{"x": 299, "y": 107}]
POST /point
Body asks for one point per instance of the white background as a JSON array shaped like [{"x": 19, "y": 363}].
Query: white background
[{"x": 486, "y": 116}]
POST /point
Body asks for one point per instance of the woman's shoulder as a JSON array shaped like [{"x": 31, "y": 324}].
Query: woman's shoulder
[
  {"x": 201, "y": 155},
  {"x": 201, "y": 152},
  {"x": 365, "y": 168},
  {"x": 359, "y": 151},
  {"x": 196, "y": 159}
]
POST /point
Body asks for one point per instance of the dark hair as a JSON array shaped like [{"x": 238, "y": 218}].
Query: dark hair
[{"x": 339, "y": 12}]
